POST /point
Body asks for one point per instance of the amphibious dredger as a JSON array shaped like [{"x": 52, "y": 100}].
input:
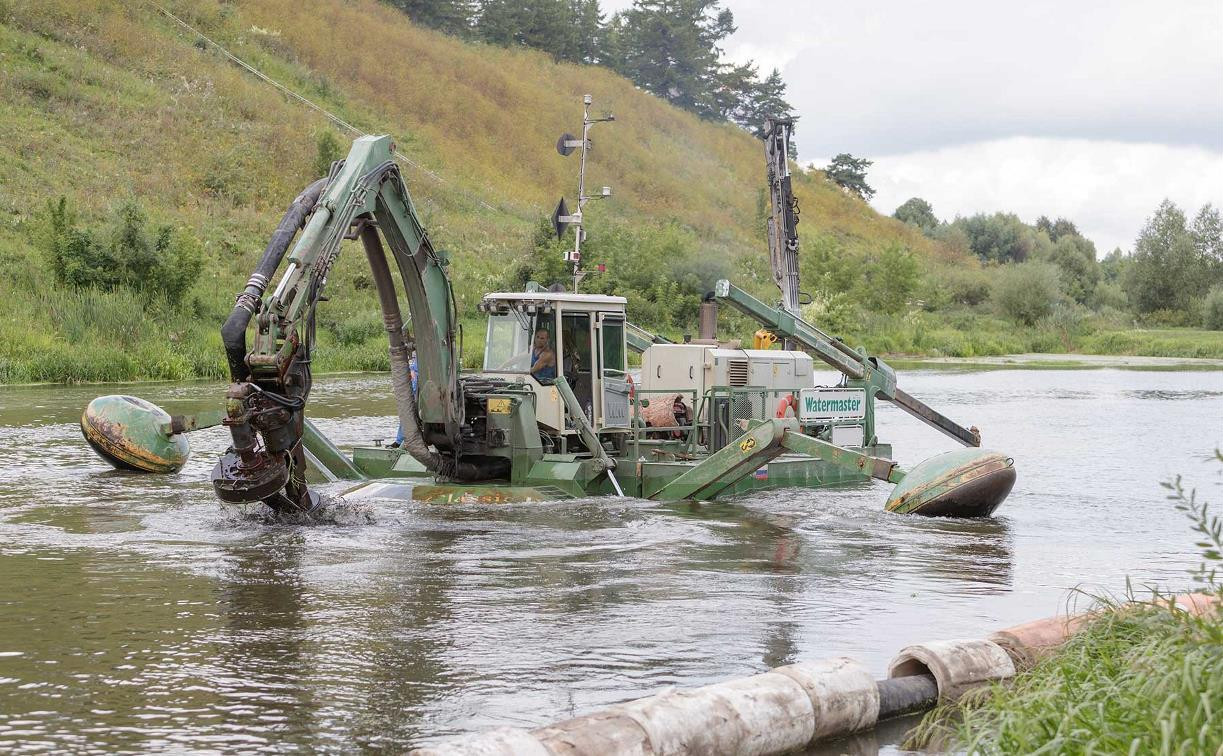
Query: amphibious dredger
[{"x": 554, "y": 413}]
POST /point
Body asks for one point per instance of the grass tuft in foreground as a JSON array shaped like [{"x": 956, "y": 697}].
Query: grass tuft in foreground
[{"x": 1143, "y": 677}]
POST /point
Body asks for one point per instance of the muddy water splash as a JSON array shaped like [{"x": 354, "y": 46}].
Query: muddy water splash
[{"x": 137, "y": 614}]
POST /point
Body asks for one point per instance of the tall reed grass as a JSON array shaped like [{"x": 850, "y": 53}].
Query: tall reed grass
[{"x": 1142, "y": 677}]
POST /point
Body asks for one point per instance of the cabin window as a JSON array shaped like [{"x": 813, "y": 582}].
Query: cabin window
[
  {"x": 575, "y": 341},
  {"x": 510, "y": 345},
  {"x": 613, "y": 346}
]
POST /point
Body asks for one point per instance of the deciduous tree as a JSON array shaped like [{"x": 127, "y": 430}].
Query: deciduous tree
[
  {"x": 1000, "y": 237},
  {"x": 1166, "y": 271},
  {"x": 1056, "y": 229},
  {"x": 1207, "y": 233},
  {"x": 917, "y": 212},
  {"x": 1076, "y": 258}
]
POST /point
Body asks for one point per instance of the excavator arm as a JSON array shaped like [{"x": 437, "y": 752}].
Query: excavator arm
[{"x": 363, "y": 198}]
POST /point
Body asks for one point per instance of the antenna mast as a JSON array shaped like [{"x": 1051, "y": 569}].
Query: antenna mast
[{"x": 562, "y": 218}]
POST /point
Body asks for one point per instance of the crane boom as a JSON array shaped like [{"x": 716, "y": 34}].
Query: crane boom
[
  {"x": 871, "y": 373},
  {"x": 783, "y": 211}
]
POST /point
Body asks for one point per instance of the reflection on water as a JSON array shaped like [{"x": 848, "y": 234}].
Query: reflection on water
[{"x": 138, "y": 614}]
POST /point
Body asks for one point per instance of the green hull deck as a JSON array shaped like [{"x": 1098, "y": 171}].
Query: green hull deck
[{"x": 393, "y": 474}]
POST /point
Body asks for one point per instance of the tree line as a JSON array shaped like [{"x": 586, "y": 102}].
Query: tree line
[
  {"x": 670, "y": 48},
  {"x": 1173, "y": 276}
]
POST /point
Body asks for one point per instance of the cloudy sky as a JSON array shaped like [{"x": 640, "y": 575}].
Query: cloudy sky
[{"x": 1092, "y": 110}]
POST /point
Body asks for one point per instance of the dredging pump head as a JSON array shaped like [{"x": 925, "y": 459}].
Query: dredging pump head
[{"x": 131, "y": 434}]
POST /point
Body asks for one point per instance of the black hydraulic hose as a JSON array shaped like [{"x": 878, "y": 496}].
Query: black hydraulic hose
[
  {"x": 905, "y": 695},
  {"x": 233, "y": 333},
  {"x": 401, "y": 383}
]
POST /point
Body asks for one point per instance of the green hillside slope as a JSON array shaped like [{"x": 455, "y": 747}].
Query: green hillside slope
[
  {"x": 112, "y": 101},
  {"x": 107, "y": 102}
]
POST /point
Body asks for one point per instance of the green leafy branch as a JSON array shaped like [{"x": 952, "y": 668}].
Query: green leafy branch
[{"x": 1204, "y": 523}]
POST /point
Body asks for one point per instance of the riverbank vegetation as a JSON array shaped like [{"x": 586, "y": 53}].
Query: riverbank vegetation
[
  {"x": 1140, "y": 677},
  {"x": 1173, "y": 277},
  {"x": 143, "y": 172}
]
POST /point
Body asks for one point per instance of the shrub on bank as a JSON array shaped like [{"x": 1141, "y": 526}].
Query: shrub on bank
[
  {"x": 966, "y": 285},
  {"x": 1158, "y": 343},
  {"x": 1109, "y": 295},
  {"x": 1027, "y": 292},
  {"x": 128, "y": 253},
  {"x": 1212, "y": 310},
  {"x": 891, "y": 278},
  {"x": 354, "y": 329},
  {"x": 1169, "y": 319}
]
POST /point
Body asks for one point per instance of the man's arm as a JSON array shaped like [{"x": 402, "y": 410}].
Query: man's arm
[{"x": 547, "y": 358}]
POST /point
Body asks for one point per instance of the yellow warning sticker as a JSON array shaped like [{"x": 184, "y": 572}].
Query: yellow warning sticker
[
  {"x": 747, "y": 444},
  {"x": 499, "y": 406}
]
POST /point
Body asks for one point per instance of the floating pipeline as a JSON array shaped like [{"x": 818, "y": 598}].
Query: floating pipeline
[{"x": 789, "y": 708}]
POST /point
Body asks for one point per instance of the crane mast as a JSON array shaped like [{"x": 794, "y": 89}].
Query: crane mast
[{"x": 783, "y": 212}]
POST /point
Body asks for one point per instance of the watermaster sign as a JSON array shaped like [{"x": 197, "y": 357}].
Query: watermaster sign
[{"x": 831, "y": 404}]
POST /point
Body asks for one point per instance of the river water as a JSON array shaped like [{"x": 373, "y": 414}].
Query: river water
[{"x": 136, "y": 614}]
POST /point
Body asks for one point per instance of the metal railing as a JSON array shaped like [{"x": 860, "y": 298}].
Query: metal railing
[
  {"x": 716, "y": 415},
  {"x": 726, "y": 407}
]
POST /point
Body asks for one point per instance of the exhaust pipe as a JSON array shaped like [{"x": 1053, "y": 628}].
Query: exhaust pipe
[{"x": 708, "y": 329}]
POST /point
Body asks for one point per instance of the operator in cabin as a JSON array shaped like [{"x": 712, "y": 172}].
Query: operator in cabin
[
  {"x": 539, "y": 360},
  {"x": 543, "y": 357}
]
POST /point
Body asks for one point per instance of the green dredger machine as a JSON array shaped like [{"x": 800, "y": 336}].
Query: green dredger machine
[{"x": 737, "y": 420}]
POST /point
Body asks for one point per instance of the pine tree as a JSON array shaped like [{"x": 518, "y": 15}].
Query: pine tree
[
  {"x": 735, "y": 94},
  {"x": 449, "y": 16},
  {"x": 668, "y": 47},
  {"x": 589, "y": 28},
  {"x": 499, "y": 22},
  {"x": 761, "y": 99},
  {"x": 770, "y": 99},
  {"x": 849, "y": 173},
  {"x": 671, "y": 48},
  {"x": 569, "y": 30}
]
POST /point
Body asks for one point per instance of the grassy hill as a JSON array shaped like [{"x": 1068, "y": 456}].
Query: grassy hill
[{"x": 106, "y": 102}]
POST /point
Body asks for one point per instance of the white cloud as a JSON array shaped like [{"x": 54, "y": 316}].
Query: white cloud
[
  {"x": 1094, "y": 110},
  {"x": 1107, "y": 188},
  {"x": 897, "y": 76}
]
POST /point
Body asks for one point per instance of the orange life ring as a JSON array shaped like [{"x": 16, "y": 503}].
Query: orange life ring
[{"x": 786, "y": 403}]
